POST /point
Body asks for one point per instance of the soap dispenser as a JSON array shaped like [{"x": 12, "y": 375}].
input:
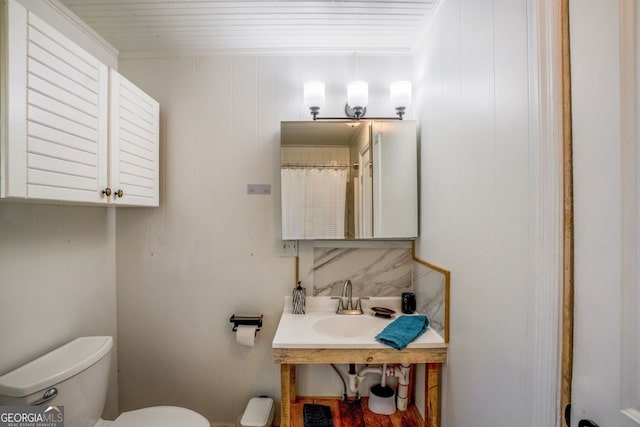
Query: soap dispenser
[{"x": 299, "y": 294}]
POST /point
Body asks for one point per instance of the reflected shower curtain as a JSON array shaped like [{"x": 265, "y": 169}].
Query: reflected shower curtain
[{"x": 313, "y": 203}]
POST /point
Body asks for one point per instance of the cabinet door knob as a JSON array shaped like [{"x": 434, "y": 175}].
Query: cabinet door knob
[
  {"x": 119, "y": 193},
  {"x": 106, "y": 192}
]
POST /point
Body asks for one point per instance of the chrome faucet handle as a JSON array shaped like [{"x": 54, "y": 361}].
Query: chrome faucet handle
[
  {"x": 359, "y": 304},
  {"x": 340, "y": 304}
]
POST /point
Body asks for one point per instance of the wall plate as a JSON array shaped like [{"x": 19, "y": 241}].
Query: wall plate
[
  {"x": 259, "y": 189},
  {"x": 289, "y": 248}
]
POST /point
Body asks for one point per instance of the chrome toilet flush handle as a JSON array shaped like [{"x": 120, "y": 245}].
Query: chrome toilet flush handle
[{"x": 47, "y": 396}]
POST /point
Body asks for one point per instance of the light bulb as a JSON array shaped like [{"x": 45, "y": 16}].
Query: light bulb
[
  {"x": 314, "y": 94},
  {"x": 358, "y": 94},
  {"x": 400, "y": 93}
]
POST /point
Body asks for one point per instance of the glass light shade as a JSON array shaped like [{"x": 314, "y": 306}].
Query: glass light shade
[
  {"x": 314, "y": 94},
  {"x": 400, "y": 93},
  {"x": 358, "y": 94}
]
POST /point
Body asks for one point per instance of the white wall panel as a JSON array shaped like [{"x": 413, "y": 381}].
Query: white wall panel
[
  {"x": 472, "y": 87},
  {"x": 58, "y": 264},
  {"x": 513, "y": 214},
  {"x": 289, "y": 95},
  {"x": 210, "y": 249}
]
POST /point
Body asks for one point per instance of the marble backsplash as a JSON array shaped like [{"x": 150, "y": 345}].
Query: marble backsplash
[
  {"x": 373, "y": 272},
  {"x": 429, "y": 287},
  {"x": 377, "y": 272}
]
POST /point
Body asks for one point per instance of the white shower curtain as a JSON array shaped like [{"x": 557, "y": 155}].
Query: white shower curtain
[{"x": 313, "y": 203}]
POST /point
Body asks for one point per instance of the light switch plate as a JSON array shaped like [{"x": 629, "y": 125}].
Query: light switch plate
[{"x": 264, "y": 189}]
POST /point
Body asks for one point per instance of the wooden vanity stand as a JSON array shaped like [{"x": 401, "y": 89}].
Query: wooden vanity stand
[{"x": 288, "y": 358}]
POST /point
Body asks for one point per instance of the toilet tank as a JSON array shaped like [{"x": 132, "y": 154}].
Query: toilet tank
[{"x": 79, "y": 371}]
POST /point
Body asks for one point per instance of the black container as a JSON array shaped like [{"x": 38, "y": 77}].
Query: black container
[{"x": 408, "y": 302}]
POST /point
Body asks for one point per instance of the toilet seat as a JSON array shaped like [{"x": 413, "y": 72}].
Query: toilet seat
[{"x": 160, "y": 416}]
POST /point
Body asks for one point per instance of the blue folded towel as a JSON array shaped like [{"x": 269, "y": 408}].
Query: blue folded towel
[{"x": 399, "y": 333}]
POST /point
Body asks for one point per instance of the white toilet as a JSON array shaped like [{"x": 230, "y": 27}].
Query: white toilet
[{"x": 76, "y": 376}]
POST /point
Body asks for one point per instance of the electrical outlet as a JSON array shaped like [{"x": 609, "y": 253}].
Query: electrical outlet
[{"x": 289, "y": 248}]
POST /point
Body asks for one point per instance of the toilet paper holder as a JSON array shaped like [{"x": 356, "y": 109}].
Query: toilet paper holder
[{"x": 246, "y": 320}]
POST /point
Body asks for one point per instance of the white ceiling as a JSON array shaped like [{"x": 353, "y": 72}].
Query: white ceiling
[{"x": 170, "y": 27}]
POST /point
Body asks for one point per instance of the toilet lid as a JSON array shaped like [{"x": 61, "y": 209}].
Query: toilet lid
[{"x": 161, "y": 416}]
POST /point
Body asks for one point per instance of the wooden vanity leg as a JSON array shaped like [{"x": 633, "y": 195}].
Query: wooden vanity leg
[
  {"x": 287, "y": 392},
  {"x": 432, "y": 393}
]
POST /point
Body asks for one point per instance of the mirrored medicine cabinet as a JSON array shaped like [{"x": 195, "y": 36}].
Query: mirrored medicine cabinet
[{"x": 349, "y": 180}]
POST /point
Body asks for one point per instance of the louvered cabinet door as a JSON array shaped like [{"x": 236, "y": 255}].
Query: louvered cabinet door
[
  {"x": 55, "y": 144},
  {"x": 134, "y": 139}
]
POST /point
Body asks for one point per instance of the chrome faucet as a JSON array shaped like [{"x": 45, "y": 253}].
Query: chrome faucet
[
  {"x": 347, "y": 292},
  {"x": 348, "y": 307}
]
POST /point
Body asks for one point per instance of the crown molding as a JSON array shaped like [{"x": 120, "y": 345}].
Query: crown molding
[{"x": 74, "y": 20}]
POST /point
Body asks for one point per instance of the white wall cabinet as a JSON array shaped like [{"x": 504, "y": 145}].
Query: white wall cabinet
[
  {"x": 55, "y": 140},
  {"x": 54, "y": 129},
  {"x": 134, "y": 143}
]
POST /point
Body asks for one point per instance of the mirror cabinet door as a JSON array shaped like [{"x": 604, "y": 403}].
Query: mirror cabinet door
[
  {"x": 395, "y": 180},
  {"x": 349, "y": 180}
]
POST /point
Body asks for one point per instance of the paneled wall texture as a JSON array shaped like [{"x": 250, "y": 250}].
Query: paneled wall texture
[
  {"x": 472, "y": 75},
  {"x": 211, "y": 250}
]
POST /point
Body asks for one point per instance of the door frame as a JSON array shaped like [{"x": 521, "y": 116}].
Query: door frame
[
  {"x": 566, "y": 372},
  {"x": 551, "y": 186},
  {"x": 630, "y": 162}
]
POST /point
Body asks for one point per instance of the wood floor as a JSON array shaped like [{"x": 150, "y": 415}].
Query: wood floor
[{"x": 357, "y": 414}]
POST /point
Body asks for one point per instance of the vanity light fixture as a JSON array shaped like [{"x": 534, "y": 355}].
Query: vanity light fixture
[
  {"x": 314, "y": 96},
  {"x": 357, "y": 99},
  {"x": 400, "y": 93}
]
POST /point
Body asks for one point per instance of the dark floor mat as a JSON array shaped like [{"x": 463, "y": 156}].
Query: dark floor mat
[{"x": 316, "y": 415}]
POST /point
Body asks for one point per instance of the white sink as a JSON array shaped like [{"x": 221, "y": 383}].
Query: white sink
[
  {"x": 350, "y": 326},
  {"x": 321, "y": 327}
]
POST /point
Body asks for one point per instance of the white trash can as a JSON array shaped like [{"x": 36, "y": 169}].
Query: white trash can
[{"x": 259, "y": 413}]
